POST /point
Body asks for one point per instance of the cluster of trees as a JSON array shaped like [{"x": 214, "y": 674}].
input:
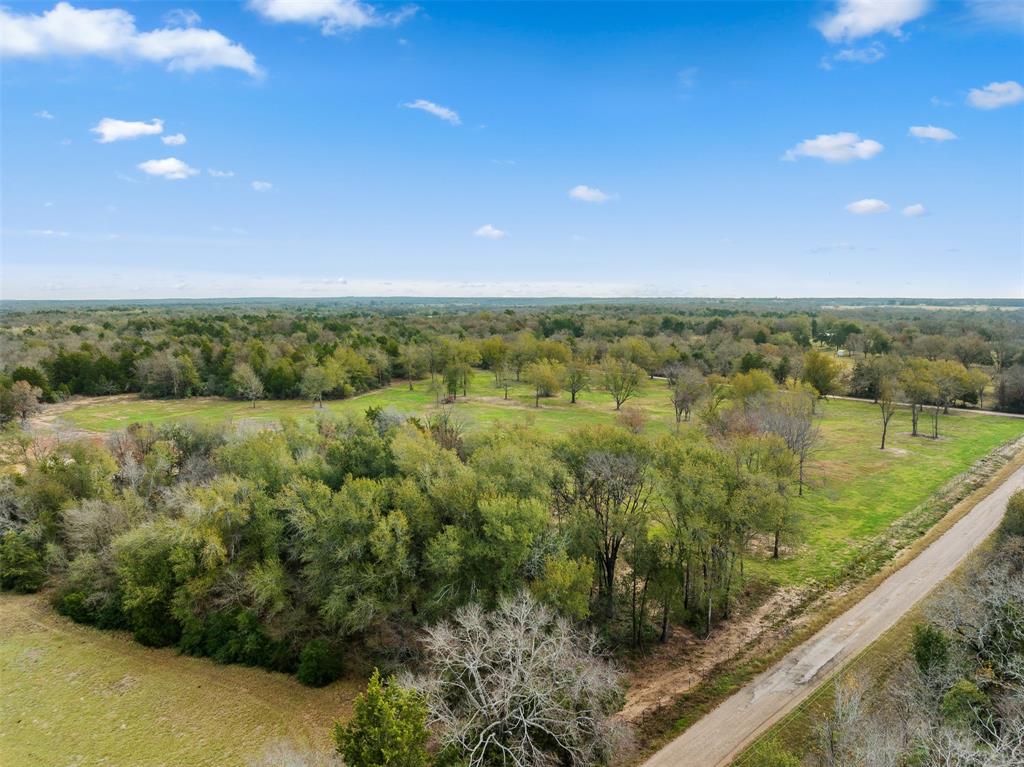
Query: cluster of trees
[
  {"x": 290, "y": 547},
  {"x": 958, "y": 698},
  {"x": 313, "y": 352}
]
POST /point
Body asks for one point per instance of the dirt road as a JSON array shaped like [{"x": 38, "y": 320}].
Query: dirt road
[{"x": 721, "y": 735}]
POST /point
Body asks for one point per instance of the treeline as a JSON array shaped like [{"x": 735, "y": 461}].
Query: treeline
[
  {"x": 289, "y": 352},
  {"x": 330, "y": 539}
]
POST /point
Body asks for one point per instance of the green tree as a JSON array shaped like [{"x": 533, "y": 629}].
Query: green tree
[
  {"x": 247, "y": 382},
  {"x": 21, "y": 566},
  {"x": 576, "y": 378},
  {"x": 314, "y": 383},
  {"x": 821, "y": 371},
  {"x": 388, "y": 728},
  {"x": 620, "y": 378},
  {"x": 545, "y": 377}
]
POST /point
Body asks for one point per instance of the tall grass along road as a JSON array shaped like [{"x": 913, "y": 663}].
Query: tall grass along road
[{"x": 722, "y": 734}]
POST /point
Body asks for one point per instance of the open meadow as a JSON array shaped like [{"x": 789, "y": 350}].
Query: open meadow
[{"x": 75, "y": 695}]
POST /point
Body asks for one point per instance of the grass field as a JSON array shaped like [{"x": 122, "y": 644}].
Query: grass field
[
  {"x": 855, "y": 490},
  {"x": 74, "y": 695}
]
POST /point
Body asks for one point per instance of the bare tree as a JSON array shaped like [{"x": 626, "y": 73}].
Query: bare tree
[
  {"x": 888, "y": 402},
  {"x": 504, "y": 376},
  {"x": 686, "y": 385},
  {"x": 520, "y": 686},
  {"x": 791, "y": 417}
]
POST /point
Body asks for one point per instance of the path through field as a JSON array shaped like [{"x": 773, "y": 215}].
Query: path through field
[{"x": 722, "y": 735}]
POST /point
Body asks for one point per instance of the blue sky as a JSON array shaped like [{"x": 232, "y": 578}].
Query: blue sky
[{"x": 339, "y": 148}]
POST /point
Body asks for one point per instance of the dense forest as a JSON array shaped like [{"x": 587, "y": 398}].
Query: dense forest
[{"x": 936, "y": 355}]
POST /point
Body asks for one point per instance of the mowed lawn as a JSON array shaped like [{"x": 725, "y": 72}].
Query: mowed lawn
[
  {"x": 855, "y": 491},
  {"x": 77, "y": 696}
]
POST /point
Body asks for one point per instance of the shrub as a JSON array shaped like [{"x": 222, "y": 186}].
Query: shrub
[
  {"x": 21, "y": 565},
  {"x": 632, "y": 418},
  {"x": 931, "y": 648},
  {"x": 1013, "y": 521},
  {"x": 965, "y": 705},
  {"x": 319, "y": 664},
  {"x": 388, "y": 728},
  {"x": 235, "y": 637}
]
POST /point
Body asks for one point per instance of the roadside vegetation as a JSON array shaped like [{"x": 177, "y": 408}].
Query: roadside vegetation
[{"x": 943, "y": 686}]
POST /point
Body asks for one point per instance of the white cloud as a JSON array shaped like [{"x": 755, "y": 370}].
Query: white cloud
[
  {"x": 333, "y": 16},
  {"x": 48, "y": 233},
  {"x": 995, "y": 95},
  {"x": 932, "y": 132},
  {"x": 491, "y": 233},
  {"x": 588, "y": 194},
  {"x": 688, "y": 78},
  {"x": 261, "y": 186},
  {"x": 110, "y": 129},
  {"x": 998, "y": 13},
  {"x": 110, "y": 33},
  {"x": 175, "y": 139},
  {"x": 181, "y": 17},
  {"x": 444, "y": 113},
  {"x": 854, "y": 19},
  {"x": 835, "y": 147},
  {"x": 170, "y": 168},
  {"x": 915, "y": 210},
  {"x": 867, "y": 207},
  {"x": 220, "y": 173},
  {"x": 43, "y": 115}
]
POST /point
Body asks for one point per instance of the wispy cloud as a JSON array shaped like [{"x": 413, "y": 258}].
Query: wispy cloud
[
  {"x": 688, "y": 78},
  {"x": 589, "y": 194},
  {"x": 108, "y": 129},
  {"x": 995, "y": 95},
  {"x": 866, "y": 55},
  {"x": 261, "y": 186},
  {"x": 181, "y": 17},
  {"x": 220, "y": 173},
  {"x": 835, "y": 147},
  {"x": 854, "y": 19},
  {"x": 489, "y": 232},
  {"x": 932, "y": 132},
  {"x": 43, "y": 115},
  {"x": 443, "y": 113},
  {"x": 915, "y": 210},
  {"x": 111, "y": 33},
  {"x": 333, "y": 16},
  {"x": 1007, "y": 14},
  {"x": 170, "y": 168},
  {"x": 175, "y": 139}
]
